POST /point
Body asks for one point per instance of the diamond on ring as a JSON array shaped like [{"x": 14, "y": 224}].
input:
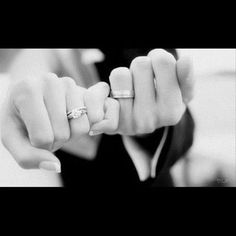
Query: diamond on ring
[
  {"x": 123, "y": 94},
  {"x": 77, "y": 113}
]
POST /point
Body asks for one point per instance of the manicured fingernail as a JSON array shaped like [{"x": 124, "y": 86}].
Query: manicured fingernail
[
  {"x": 94, "y": 133},
  {"x": 50, "y": 166}
]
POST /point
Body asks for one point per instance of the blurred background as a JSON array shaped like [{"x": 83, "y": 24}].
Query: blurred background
[{"x": 210, "y": 162}]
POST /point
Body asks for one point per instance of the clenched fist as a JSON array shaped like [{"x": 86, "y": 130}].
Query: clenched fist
[
  {"x": 35, "y": 123},
  {"x": 162, "y": 87}
]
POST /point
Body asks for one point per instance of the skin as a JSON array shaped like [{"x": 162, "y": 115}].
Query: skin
[
  {"x": 34, "y": 123},
  {"x": 156, "y": 104}
]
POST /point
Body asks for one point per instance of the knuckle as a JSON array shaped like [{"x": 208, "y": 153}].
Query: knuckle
[
  {"x": 171, "y": 117},
  {"x": 41, "y": 140},
  {"x": 68, "y": 82},
  {"x": 50, "y": 79},
  {"x": 61, "y": 137},
  {"x": 140, "y": 61},
  {"x": 104, "y": 85},
  {"x": 95, "y": 114},
  {"x": 23, "y": 90},
  {"x": 145, "y": 126},
  {"x": 118, "y": 73},
  {"x": 22, "y": 85},
  {"x": 157, "y": 51},
  {"x": 162, "y": 57},
  {"x": 50, "y": 76}
]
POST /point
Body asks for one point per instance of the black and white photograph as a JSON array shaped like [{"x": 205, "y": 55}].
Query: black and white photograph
[{"x": 117, "y": 118}]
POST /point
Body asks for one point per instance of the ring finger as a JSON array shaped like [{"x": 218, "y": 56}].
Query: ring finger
[
  {"x": 56, "y": 106},
  {"x": 121, "y": 80},
  {"x": 145, "y": 94},
  {"x": 75, "y": 99}
]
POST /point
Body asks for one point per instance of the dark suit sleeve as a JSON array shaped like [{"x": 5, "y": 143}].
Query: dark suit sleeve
[{"x": 179, "y": 141}]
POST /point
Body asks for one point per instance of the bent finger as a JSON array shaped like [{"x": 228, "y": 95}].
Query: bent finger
[
  {"x": 15, "y": 139},
  {"x": 121, "y": 80},
  {"x": 143, "y": 77},
  {"x": 186, "y": 78},
  {"x": 94, "y": 99},
  {"x": 164, "y": 66},
  {"x": 32, "y": 110},
  {"x": 111, "y": 121},
  {"x": 55, "y": 101},
  {"x": 74, "y": 100},
  {"x": 170, "y": 106}
]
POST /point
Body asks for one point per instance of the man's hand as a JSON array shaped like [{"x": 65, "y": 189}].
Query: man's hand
[{"x": 163, "y": 87}]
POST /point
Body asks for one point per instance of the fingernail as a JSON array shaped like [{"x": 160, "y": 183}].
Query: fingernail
[
  {"x": 94, "y": 133},
  {"x": 50, "y": 166}
]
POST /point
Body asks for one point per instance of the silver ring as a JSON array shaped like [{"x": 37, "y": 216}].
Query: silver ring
[
  {"x": 76, "y": 113},
  {"x": 123, "y": 94}
]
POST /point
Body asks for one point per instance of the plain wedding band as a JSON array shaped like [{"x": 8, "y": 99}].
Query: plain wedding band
[{"x": 123, "y": 94}]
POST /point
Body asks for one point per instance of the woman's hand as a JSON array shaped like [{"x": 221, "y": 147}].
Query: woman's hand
[
  {"x": 35, "y": 123},
  {"x": 162, "y": 86}
]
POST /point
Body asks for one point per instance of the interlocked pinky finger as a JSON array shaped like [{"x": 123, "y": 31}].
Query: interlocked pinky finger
[{"x": 111, "y": 121}]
